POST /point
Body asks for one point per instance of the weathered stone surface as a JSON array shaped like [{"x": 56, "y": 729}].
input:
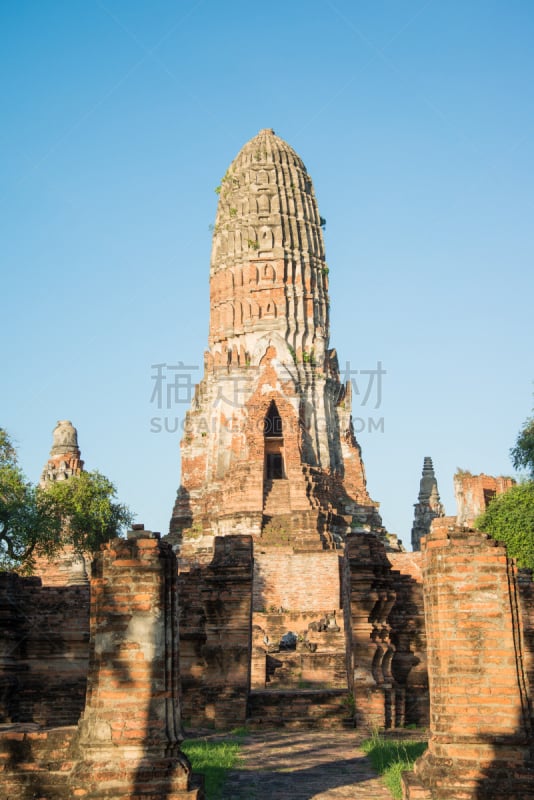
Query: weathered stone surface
[
  {"x": 35, "y": 762},
  {"x": 300, "y": 709}
]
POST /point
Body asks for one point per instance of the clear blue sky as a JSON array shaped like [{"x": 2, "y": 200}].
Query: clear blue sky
[{"x": 416, "y": 122}]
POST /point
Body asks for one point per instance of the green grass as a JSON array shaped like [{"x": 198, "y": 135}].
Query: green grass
[
  {"x": 213, "y": 760},
  {"x": 392, "y": 757}
]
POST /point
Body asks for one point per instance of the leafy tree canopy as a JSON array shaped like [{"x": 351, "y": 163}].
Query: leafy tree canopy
[
  {"x": 81, "y": 511},
  {"x": 509, "y": 518},
  {"x": 522, "y": 454}
]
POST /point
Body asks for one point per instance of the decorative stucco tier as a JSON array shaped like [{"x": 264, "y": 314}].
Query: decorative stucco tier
[{"x": 269, "y": 447}]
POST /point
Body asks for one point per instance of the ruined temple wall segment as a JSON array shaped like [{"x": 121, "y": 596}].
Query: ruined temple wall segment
[
  {"x": 480, "y": 702},
  {"x": 44, "y": 651},
  {"x": 215, "y": 635},
  {"x": 129, "y": 734},
  {"x": 474, "y": 492}
]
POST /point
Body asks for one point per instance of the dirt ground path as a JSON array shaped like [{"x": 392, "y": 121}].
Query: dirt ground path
[{"x": 301, "y": 765}]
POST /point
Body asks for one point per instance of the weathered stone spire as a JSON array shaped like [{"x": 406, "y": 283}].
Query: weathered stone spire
[
  {"x": 428, "y": 506},
  {"x": 65, "y": 454},
  {"x": 269, "y": 433},
  {"x": 268, "y": 271}
]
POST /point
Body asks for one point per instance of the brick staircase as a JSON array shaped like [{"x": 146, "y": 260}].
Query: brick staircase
[
  {"x": 306, "y": 708},
  {"x": 276, "y": 497}
]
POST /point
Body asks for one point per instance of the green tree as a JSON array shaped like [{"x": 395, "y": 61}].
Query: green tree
[
  {"x": 509, "y": 518},
  {"x": 27, "y": 517},
  {"x": 33, "y": 521},
  {"x": 522, "y": 454},
  {"x": 85, "y": 503}
]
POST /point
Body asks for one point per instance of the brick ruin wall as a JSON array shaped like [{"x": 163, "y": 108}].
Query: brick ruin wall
[
  {"x": 387, "y": 662},
  {"x": 474, "y": 492},
  {"x": 288, "y": 580},
  {"x": 407, "y": 621},
  {"x": 127, "y": 742},
  {"x": 479, "y": 629},
  {"x": 299, "y": 638},
  {"x": 222, "y": 657},
  {"x": 44, "y": 635},
  {"x": 215, "y": 610},
  {"x": 526, "y": 610},
  {"x": 44, "y": 651}
]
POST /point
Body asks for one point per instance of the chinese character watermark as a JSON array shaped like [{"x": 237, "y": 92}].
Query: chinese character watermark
[
  {"x": 371, "y": 382},
  {"x": 173, "y": 384}
]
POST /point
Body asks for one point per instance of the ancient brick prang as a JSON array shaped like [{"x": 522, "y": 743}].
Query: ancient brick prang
[
  {"x": 269, "y": 451},
  {"x": 428, "y": 505},
  {"x": 480, "y": 703},
  {"x": 64, "y": 460},
  {"x": 68, "y": 567},
  {"x": 269, "y": 432}
]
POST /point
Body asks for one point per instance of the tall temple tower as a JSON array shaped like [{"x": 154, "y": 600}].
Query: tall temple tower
[
  {"x": 269, "y": 447},
  {"x": 428, "y": 505},
  {"x": 286, "y": 591}
]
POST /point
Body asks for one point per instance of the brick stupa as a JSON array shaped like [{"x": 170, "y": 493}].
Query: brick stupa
[{"x": 269, "y": 448}]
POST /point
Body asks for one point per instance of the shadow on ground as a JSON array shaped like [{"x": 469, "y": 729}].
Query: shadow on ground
[{"x": 302, "y": 766}]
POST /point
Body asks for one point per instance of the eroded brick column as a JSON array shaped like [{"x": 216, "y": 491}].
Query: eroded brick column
[
  {"x": 479, "y": 705},
  {"x": 130, "y": 732}
]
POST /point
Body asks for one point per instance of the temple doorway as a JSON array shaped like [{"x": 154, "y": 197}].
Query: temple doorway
[{"x": 274, "y": 444}]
